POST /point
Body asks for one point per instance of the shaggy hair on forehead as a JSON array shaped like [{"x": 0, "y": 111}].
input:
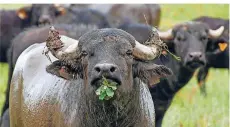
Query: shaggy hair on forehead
[{"x": 100, "y": 35}]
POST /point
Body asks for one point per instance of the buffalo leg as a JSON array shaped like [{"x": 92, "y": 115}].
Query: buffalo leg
[
  {"x": 159, "y": 122},
  {"x": 201, "y": 77},
  {"x": 5, "y": 121},
  {"x": 10, "y": 73}
]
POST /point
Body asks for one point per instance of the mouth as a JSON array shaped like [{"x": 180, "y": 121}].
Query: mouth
[
  {"x": 98, "y": 81},
  {"x": 195, "y": 64}
]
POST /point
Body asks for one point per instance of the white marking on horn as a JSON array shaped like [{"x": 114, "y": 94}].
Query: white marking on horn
[{"x": 216, "y": 33}]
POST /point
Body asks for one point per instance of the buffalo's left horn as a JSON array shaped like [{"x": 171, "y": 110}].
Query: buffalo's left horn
[
  {"x": 62, "y": 47},
  {"x": 216, "y": 33},
  {"x": 145, "y": 52}
]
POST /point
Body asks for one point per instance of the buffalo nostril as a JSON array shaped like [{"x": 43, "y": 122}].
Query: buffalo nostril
[
  {"x": 195, "y": 55},
  {"x": 105, "y": 68},
  {"x": 97, "y": 69},
  {"x": 112, "y": 69}
]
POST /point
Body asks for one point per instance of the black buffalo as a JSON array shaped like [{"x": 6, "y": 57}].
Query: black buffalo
[
  {"x": 216, "y": 57},
  {"x": 188, "y": 41},
  {"x": 38, "y": 14},
  {"x": 12, "y": 22},
  {"x": 63, "y": 92},
  {"x": 37, "y": 35}
]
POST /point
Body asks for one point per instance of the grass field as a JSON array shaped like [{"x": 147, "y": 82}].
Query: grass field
[{"x": 189, "y": 108}]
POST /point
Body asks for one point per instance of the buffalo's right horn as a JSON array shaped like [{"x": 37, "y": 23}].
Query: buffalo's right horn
[{"x": 166, "y": 35}]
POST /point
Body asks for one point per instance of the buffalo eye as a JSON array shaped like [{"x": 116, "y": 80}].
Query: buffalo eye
[
  {"x": 91, "y": 54},
  {"x": 179, "y": 38},
  {"x": 129, "y": 52},
  {"x": 84, "y": 53},
  {"x": 203, "y": 38}
]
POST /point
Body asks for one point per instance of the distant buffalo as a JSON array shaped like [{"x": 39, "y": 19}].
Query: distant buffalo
[
  {"x": 188, "y": 41},
  {"x": 217, "y": 50}
]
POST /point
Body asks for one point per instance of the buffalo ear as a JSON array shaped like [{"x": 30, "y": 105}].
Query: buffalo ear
[
  {"x": 60, "y": 10},
  {"x": 151, "y": 73},
  {"x": 23, "y": 13},
  {"x": 56, "y": 68},
  {"x": 222, "y": 46},
  {"x": 216, "y": 46}
]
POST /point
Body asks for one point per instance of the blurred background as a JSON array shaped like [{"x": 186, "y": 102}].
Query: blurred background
[{"x": 189, "y": 108}]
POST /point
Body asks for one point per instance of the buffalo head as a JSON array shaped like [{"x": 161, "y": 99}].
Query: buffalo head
[
  {"x": 41, "y": 13},
  {"x": 189, "y": 41},
  {"x": 110, "y": 53}
]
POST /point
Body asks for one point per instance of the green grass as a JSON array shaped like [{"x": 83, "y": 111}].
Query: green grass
[
  {"x": 173, "y": 14},
  {"x": 3, "y": 82},
  {"x": 189, "y": 108},
  {"x": 11, "y": 6}
]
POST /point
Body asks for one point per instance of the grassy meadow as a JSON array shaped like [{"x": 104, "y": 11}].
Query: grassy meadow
[{"x": 189, "y": 108}]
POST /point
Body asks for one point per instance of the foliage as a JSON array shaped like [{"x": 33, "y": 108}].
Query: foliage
[{"x": 106, "y": 90}]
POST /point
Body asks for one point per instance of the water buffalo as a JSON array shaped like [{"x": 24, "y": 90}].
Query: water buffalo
[
  {"x": 216, "y": 56},
  {"x": 62, "y": 92},
  {"x": 41, "y": 13},
  {"x": 37, "y": 35},
  {"x": 13, "y": 22},
  {"x": 189, "y": 42},
  {"x": 135, "y": 13}
]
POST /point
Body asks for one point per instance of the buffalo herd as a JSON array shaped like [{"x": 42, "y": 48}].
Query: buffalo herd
[{"x": 59, "y": 54}]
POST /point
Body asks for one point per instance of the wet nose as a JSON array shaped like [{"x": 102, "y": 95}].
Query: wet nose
[
  {"x": 195, "y": 55},
  {"x": 105, "y": 68},
  {"x": 45, "y": 19}
]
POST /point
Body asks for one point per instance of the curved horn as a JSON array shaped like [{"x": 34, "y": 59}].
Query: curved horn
[
  {"x": 166, "y": 34},
  {"x": 216, "y": 33},
  {"x": 145, "y": 52},
  {"x": 62, "y": 47}
]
